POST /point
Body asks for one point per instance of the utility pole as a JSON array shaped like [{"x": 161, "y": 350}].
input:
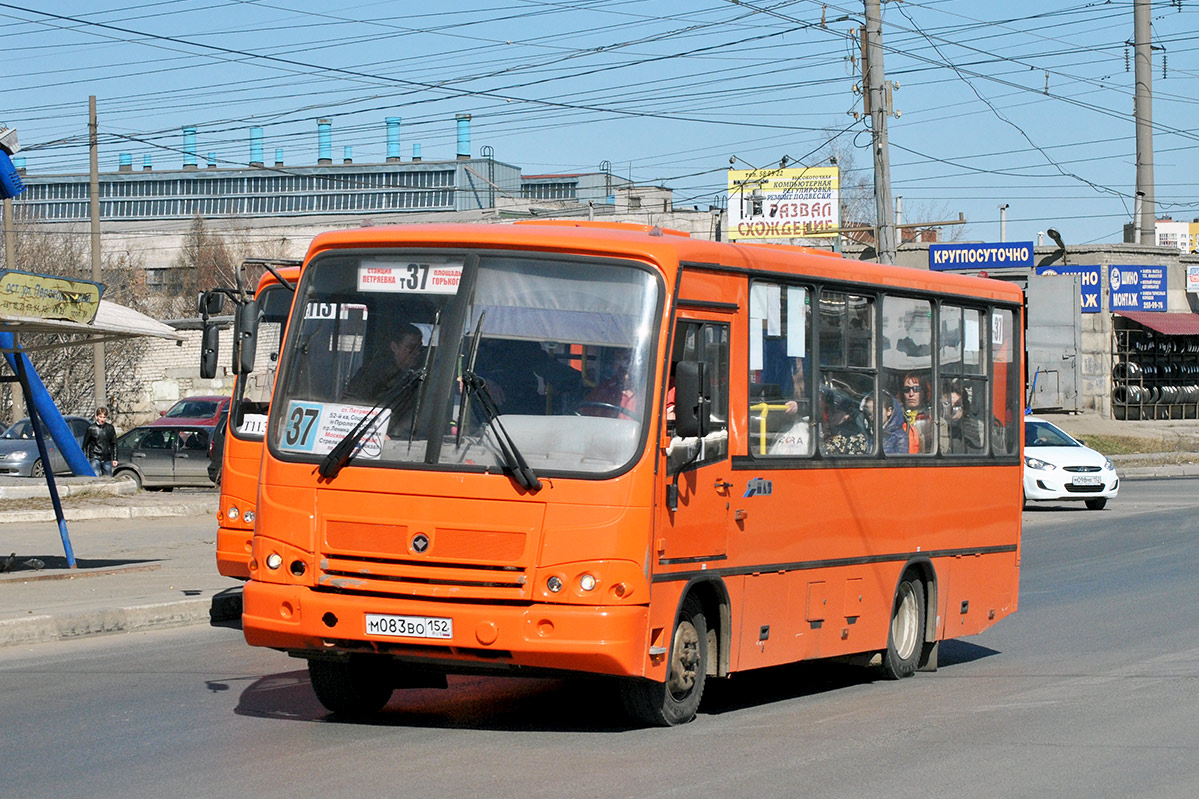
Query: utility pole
[
  {"x": 1143, "y": 107},
  {"x": 880, "y": 107},
  {"x": 10, "y": 262},
  {"x": 1003, "y": 222},
  {"x": 94, "y": 209}
]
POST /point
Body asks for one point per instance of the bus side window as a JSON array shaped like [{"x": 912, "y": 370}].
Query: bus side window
[
  {"x": 780, "y": 380},
  {"x": 707, "y": 343}
]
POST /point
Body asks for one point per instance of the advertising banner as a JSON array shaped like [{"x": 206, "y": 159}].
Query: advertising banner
[
  {"x": 1136, "y": 288},
  {"x": 783, "y": 203},
  {"x": 1090, "y": 285},
  {"x": 942, "y": 257}
]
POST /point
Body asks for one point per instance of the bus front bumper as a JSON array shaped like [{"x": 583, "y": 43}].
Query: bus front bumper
[
  {"x": 594, "y": 639},
  {"x": 233, "y": 552}
]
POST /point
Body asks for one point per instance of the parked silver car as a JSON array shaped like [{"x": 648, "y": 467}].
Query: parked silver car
[
  {"x": 18, "y": 448},
  {"x": 165, "y": 456}
]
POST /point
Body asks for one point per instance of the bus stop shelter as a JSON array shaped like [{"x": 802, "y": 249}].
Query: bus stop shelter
[{"x": 74, "y": 311}]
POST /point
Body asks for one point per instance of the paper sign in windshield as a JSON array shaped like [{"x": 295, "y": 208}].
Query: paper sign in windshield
[
  {"x": 417, "y": 277},
  {"x": 253, "y": 424},
  {"x": 316, "y": 428}
]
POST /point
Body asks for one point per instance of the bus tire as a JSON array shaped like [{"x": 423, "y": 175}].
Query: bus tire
[
  {"x": 905, "y": 640},
  {"x": 675, "y": 701},
  {"x": 355, "y": 687}
]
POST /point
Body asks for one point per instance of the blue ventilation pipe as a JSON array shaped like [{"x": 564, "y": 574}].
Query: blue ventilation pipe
[
  {"x": 393, "y": 139},
  {"x": 324, "y": 141},
  {"x": 255, "y": 146},
  {"x": 463, "y": 135},
  {"x": 189, "y": 147}
]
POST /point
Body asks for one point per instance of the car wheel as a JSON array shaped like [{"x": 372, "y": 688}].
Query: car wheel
[
  {"x": 37, "y": 470},
  {"x": 906, "y": 639},
  {"x": 130, "y": 474},
  {"x": 1097, "y": 504}
]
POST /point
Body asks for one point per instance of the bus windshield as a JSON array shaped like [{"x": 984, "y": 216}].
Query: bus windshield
[
  {"x": 253, "y": 397},
  {"x": 448, "y": 359}
]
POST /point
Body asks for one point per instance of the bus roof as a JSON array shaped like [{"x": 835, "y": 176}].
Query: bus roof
[{"x": 666, "y": 248}]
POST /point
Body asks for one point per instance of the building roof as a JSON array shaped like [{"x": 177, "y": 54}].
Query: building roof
[{"x": 1170, "y": 324}]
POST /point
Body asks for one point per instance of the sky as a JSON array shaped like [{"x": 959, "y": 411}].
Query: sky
[{"x": 1023, "y": 102}]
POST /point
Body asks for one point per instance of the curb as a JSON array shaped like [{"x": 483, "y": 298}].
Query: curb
[
  {"x": 80, "y": 514},
  {"x": 95, "y": 488},
  {"x": 222, "y": 607}
]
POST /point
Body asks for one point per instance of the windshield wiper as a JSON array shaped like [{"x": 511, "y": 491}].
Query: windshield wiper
[
  {"x": 341, "y": 453},
  {"x": 521, "y": 471}
]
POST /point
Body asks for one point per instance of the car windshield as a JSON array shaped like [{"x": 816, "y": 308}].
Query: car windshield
[
  {"x": 555, "y": 352},
  {"x": 21, "y": 429},
  {"x": 192, "y": 409},
  {"x": 1043, "y": 434}
]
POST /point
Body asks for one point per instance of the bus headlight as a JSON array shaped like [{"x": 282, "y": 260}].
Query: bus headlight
[
  {"x": 275, "y": 560},
  {"x": 554, "y": 584},
  {"x": 233, "y": 512},
  {"x": 587, "y": 582}
]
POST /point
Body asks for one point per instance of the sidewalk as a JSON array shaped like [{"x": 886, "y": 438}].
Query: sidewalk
[
  {"x": 163, "y": 573},
  {"x": 159, "y": 572}
]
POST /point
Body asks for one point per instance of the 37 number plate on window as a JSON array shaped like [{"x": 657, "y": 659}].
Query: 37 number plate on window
[{"x": 409, "y": 626}]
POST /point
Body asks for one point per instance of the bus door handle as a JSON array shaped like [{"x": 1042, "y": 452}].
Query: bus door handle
[{"x": 721, "y": 485}]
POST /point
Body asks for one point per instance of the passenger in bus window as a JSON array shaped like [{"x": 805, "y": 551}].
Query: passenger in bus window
[
  {"x": 894, "y": 436},
  {"x": 964, "y": 432},
  {"x": 524, "y": 378},
  {"x": 396, "y": 349},
  {"x": 916, "y": 420},
  {"x": 795, "y": 437},
  {"x": 844, "y": 428},
  {"x": 614, "y": 396}
]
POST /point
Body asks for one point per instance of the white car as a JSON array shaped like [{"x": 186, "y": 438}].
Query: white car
[{"x": 1056, "y": 467}]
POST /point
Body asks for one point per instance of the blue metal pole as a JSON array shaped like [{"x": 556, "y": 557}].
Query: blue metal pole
[{"x": 23, "y": 376}]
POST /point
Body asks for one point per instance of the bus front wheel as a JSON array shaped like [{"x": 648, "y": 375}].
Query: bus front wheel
[
  {"x": 905, "y": 641},
  {"x": 676, "y": 701},
  {"x": 357, "y": 686}
]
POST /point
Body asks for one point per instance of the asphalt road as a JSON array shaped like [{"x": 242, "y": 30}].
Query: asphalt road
[{"x": 1089, "y": 690}]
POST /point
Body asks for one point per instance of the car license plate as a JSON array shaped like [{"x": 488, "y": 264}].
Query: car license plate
[
  {"x": 1088, "y": 480},
  {"x": 409, "y": 626}
]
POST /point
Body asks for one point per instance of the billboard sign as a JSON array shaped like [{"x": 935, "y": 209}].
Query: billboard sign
[
  {"x": 783, "y": 203},
  {"x": 1136, "y": 288},
  {"x": 943, "y": 257},
  {"x": 1090, "y": 285}
]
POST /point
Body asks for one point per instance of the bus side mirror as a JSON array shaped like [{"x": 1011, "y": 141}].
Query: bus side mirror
[
  {"x": 692, "y": 400},
  {"x": 245, "y": 335},
  {"x": 210, "y": 303},
  {"x": 208, "y": 350}
]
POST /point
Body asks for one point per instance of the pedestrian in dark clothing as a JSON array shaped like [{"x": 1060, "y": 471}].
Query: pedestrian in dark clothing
[{"x": 100, "y": 444}]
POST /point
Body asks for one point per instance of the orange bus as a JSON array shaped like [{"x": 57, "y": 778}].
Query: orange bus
[
  {"x": 242, "y": 449},
  {"x": 616, "y": 450}
]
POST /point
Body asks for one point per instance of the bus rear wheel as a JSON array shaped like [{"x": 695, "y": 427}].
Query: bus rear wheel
[
  {"x": 905, "y": 641},
  {"x": 676, "y": 701},
  {"x": 358, "y": 686}
]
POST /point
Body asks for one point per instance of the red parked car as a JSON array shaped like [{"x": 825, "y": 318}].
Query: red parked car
[{"x": 195, "y": 411}]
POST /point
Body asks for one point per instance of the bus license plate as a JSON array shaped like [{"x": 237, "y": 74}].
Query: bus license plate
[
  {"x": 1088, "y": 480},
  {"x": 409, "y": 626}
]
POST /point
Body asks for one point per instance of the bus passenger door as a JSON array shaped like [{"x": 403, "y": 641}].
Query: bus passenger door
[{"x": 697, "y": 530}]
